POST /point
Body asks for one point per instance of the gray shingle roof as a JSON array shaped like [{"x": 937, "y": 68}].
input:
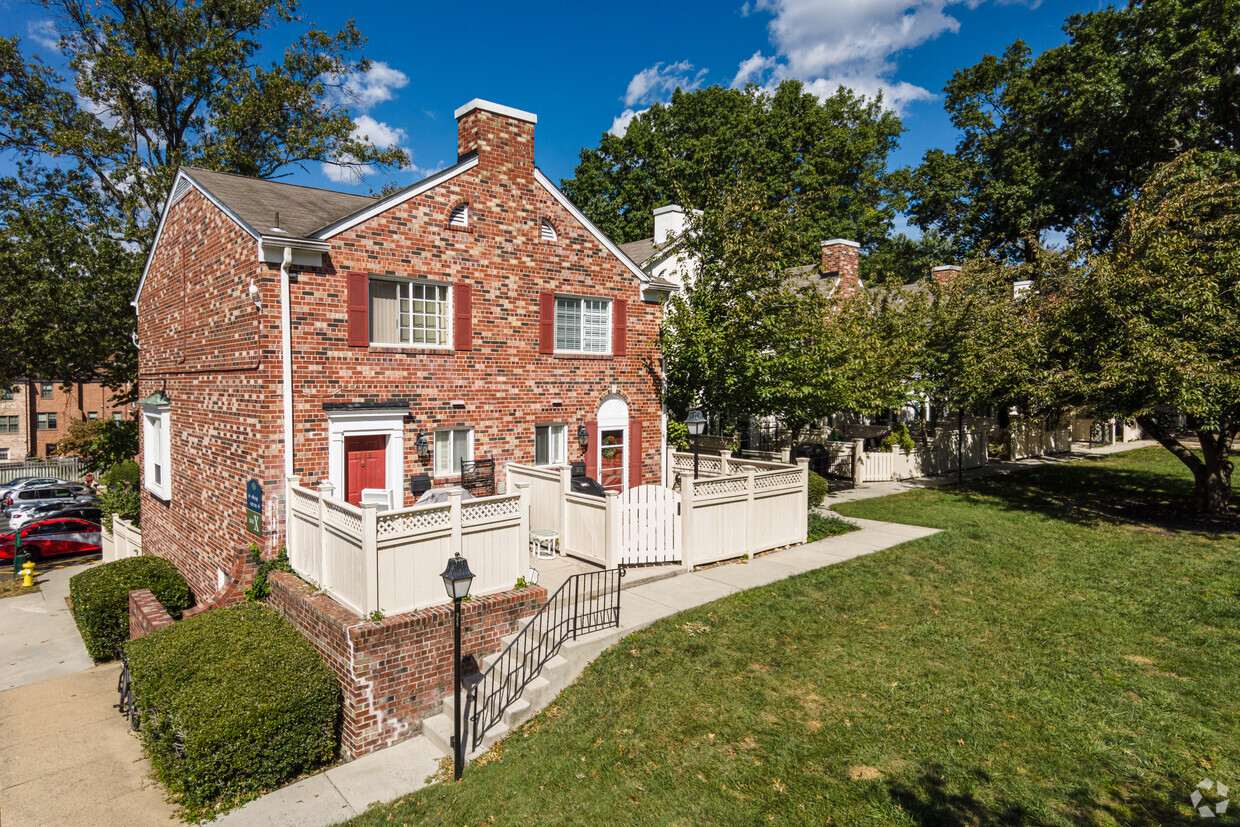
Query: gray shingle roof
[
  {"x": 256, "y": 201},
  {"x": 640, "y": 251}
]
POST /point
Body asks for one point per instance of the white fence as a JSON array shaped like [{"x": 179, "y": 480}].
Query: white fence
[
  {"x": 71, "y": 469},
  {"x": 392, "y": 561},
  {"x": 124, "y": 540},
  {"x": 755, "y": 507},
  {"x": 1032, "y": 439}
]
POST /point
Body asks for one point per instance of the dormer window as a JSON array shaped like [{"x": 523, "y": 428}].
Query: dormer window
[
  {"x": 459, "y": 216},
  {"x": 548, "y": 231}
]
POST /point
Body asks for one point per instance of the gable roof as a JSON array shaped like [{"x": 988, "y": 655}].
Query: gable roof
[{"x": 641, "y": 250}]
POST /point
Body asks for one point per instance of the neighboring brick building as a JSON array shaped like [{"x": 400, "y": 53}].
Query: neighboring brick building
[
  {"x": 478, "y": 308},
  {"x": 54, "y": 408}
]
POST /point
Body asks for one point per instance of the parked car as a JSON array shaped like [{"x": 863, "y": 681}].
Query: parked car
[
  {"x": 6, "y": 490},
  {"x": 76, "y": 508},
  {"x": 25, "y": 499},
  {"x": 56, "y": 537}
]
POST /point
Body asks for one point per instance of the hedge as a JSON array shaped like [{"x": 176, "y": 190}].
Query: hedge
[
  {"x": 100, "y": 597},
  {"x": 233, "y": 703},
  {"x": 818, "y": 490}
]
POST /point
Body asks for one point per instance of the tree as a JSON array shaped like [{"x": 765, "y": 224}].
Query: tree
[
  {"x": 1153, "y": 326},
  {"x": 156, "y": 84},
  {"x": 101, "y": 443},
  {"x": 900, "y": 260},
  {"x": 745, "y": 339},
  {"x": 1063, "y": 142},
  {"x": 693, "y": 149}
]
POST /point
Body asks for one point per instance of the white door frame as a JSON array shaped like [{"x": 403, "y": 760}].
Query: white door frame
[
  {"x": 613, "y": 415},
  {"x": 388, "y": 422}
]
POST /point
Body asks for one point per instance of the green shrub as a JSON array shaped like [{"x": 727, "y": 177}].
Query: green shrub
[
  {"x": 122, "y": 499},
  {"x": 101, "y": 599},
  {"x": 234, "y": 703},
  {"x": 261, "y": 588},
  {"x": 899, "y": 436},
  {"x": 817, "y": 490},
  {"x": 678, "y": 435},
  {"x": 122, "y": 472},
  {"x": 828, "y": 525}
]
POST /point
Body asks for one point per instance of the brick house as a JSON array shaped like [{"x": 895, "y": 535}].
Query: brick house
[
  {"x": 50, "y": 407},
  {"x": 287, "y": 330}
]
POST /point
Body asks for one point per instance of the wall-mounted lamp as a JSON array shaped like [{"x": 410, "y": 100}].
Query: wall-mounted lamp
[
  {"x": 424, "y": 446},
  {"x": 583, "y": 437},
  {"x": 255, "y": 296}
]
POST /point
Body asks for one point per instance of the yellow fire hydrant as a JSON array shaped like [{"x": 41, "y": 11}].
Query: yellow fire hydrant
[{"x": 28, "y": 573}]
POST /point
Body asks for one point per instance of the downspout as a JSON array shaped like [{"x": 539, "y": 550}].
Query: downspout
[{"x": 286, "y": 351}]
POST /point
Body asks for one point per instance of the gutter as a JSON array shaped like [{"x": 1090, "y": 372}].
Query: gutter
[{"x": 286, "y": 359}]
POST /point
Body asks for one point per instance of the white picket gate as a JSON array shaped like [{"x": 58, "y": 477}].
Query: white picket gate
[{"x": 650, "y": 525}]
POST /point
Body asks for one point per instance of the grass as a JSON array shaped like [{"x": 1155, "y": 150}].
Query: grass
[
  {"x": 12, "y": 588},
  {"x": 827, "y": 525},
  {"x": 1063, "y": 653}
]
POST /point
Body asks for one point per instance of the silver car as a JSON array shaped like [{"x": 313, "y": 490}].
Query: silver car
[{"x": 25, "y": 500}]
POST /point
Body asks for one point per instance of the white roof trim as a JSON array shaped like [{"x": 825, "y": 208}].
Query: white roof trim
[
  {"x": 589, "y": 225},
  {"x": 168, "y": 205},
  {"x": 845, "y": 241},
  {"x": 497, "y": 108},
  {"x": 396, "y": 199}
]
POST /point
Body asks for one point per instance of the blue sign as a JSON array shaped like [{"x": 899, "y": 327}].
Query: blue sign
[{"x": 254, "y": 496}]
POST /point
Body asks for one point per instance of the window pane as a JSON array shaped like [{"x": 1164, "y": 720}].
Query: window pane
[
  {"x": 558, "y": 443},
  {"x": 541, "y": 453},
  {"x": 443, "y": 454},
  {"x": 384, "y": 301},
  {"x": 460, "y": 449},
  {"x": 568, "y": 324},
  {"x": 595, "y": 339}
]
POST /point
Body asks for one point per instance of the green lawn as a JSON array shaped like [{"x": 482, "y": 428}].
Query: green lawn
[{"x": 1062, "y": 653}]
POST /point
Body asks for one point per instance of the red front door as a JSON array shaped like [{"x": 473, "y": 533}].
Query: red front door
[{"x": 365, "y": 465}]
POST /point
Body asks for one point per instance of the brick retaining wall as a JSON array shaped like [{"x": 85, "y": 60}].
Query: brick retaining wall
[
  {"x": 146, "y": 614},
  {"x": 396, "y": 671}
]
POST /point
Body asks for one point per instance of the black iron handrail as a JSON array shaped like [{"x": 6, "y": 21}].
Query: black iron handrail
[{"x": 584, "y": 603}]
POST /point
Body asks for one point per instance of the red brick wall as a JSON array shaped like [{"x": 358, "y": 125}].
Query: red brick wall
[
  {"x": 396, "y": 671},
  {"x": 146, "y": 614},
  {"x": 843, "y": 257}
]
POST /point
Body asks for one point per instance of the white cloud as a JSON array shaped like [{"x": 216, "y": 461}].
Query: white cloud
[
  {"x": 854, "y": 43},
  {"x": 44, "y": 33},
  {"x": 376, "y": 133},
  {"x": 659, "y": 81},
  {"x": 374, "y": 86},
  {"x": 621, "y": 124}
]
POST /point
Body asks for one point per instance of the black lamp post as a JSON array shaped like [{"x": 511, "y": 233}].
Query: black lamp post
[
  {"x": 457, "y": 579},
  {"x": 696, "y": 423}
]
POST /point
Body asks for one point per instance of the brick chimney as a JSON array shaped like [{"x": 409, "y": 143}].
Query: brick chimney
[
  {"x": 842, "y": 258},
  {"x": 944, "y": 274},
  {"x": 502, "y": 135}
]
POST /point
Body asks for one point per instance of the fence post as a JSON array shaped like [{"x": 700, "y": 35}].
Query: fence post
[
  {"x": 523, "y": 557},
  {"x": 566, "y": 487},
  {"x": 454, "y": 512},
  {"x": 804, "y": 521},
  {"x": 326, "y": 492},
  {"x": 613, "y": 540},
  {"x": 370, "y": 555},
  {"x": 724, "y": 456},
  {"x": 686, "y": 521},
  {"x": 858, "y": 461},
  {"x": 750, "y": 530}
]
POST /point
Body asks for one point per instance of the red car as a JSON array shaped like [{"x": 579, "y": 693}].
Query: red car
[{"x": 53, "y": 538}]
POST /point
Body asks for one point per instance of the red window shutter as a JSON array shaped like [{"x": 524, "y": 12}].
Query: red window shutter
[
  {"x": 635, "y": 453},
  {"x": 620, "y": 328},
  {"x": 592, "y": 450},
  {"x": 546, "y": 322},
  {"x": 463, "y": 313},
  {"x": 359, "y": 309}
]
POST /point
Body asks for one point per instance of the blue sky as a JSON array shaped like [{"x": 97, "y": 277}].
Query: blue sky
[{"x": 581, "y": 66}]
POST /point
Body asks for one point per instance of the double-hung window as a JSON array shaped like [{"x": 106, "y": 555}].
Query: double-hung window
[
  {"x": 157, "y": 451},
  {"x": 582, "y": 325},
  {"x": 47, "y": 421},
  {"x": 451, "y": 446},
  {"x": 409, "y": 313},
  {"x": 550, "y": 446},
  {"x": 8, "y": 424}
]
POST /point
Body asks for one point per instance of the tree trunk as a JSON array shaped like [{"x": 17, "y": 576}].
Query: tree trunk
[{"x": 1211, "y": 471}]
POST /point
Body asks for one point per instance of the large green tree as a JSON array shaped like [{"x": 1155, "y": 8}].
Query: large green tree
[
  {"x": 151, "y": 85},
  {"x": 1151, "y": 329},
  {"x": 693, "y": 149},
  {"x": 1063, "y": 142}
]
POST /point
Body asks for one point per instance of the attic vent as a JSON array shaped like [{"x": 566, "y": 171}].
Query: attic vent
[
  {"x": 181, "y": 188},
  {"x": 460, "y": 216},
  {"x": 548, "y": 231}
]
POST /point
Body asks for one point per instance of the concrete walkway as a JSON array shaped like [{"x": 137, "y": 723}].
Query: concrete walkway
[{"x": 38, "y": 638}]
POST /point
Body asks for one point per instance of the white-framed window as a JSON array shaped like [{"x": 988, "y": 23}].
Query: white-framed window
[
  {"x": 451, "y": 446},
  {"x": 550, "y": 444},
  {"x": 409, "y": 313},
  {"x": 116, "y": 417},
  {"x": 582, "y": 325},
  {"x": 157, "y": 452},
  {"x": 46, "y": 421},
  {"x": 92, "y": 414}
]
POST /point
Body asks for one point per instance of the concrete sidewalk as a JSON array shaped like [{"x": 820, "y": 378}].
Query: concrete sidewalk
[
  {"x": 38, "y": 638},
  {"x": 345, "y": 791}
]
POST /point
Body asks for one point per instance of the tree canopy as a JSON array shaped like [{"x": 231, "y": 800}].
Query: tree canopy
[
  {"x": 692, "y": 150},
  {"x": 153, "y": 85},
  {"x": 1064, "y": 142}
]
